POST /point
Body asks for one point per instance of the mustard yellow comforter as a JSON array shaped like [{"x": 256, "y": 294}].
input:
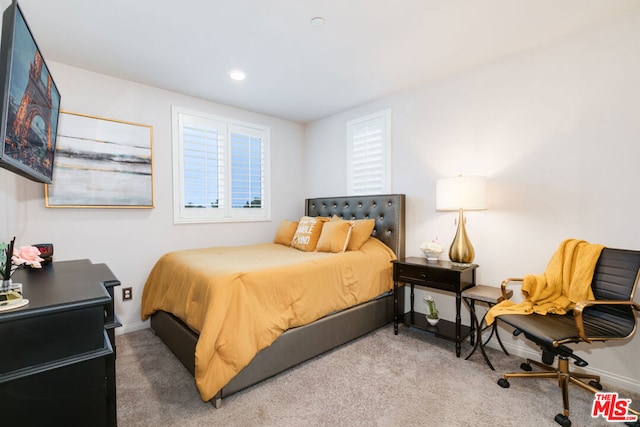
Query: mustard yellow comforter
[{"x": 240, "y": 299}]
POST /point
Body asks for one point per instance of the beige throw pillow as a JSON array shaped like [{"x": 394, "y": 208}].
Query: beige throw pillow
[
  {"x": 334, "y": 237},
  {"x": 360, "y": 232},
  {"x": 285, "y": 232},
  {"x": 308, "y": 232}
]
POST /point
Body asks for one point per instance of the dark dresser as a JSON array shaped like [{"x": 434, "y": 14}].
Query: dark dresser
[{"x": 57, "y": 354}]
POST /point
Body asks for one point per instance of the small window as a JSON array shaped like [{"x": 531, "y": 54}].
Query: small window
[
  {"x": 369, "y": 154},
  {"x": 220, "y": 169}
]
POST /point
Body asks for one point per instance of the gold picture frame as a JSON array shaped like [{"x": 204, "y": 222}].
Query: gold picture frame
[{"x": 101, "y": 163}]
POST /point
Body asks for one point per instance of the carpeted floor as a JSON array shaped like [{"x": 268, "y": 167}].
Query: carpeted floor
[{"x": 411, "y": 379}]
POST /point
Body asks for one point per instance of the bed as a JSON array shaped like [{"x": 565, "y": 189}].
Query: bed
[{"x": 302, "y": 343}]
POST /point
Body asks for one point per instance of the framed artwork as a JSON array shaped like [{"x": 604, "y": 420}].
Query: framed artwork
[
  {"x": 101, "y": 163},
  {"x": 29, "y": 102}
]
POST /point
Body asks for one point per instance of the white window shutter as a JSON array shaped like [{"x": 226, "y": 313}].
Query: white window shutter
[
  {"x": 220, "y": 169},
  {"x": 368, "y": 157},
  {"x": 247, "y": 166},
  {"x": 204, "y": 167}
]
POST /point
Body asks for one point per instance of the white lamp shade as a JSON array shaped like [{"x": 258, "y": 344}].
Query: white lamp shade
[{"x": 461, "y": 192}]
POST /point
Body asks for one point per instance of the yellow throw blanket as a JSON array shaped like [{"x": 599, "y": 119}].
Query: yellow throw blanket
[
  {"x": 240, "y": 299},
  {"x": 566, "y": 280}
]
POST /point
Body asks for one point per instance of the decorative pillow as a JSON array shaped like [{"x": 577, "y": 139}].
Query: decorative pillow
[
  {"x": 334, "y": 237},
  {"x": 285, "y": 232},
  {"x": 308, "y": 232},
  {"x": 360, "y": 232}
]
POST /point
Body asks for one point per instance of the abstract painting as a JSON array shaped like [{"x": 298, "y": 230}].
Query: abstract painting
[{"x": 101, "y": 163}]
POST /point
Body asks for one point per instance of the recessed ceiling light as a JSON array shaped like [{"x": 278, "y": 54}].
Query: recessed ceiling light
[
  {"x": 317, "y": 21},
  {"x": 237, "y": 75}
]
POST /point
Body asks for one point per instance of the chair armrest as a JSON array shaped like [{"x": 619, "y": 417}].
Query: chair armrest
[
  {"x": 505, "y": 282},
  {"x": 580, "y": 306}
]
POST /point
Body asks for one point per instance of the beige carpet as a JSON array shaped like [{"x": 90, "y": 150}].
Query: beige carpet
[{"x": 411, "y": 379}]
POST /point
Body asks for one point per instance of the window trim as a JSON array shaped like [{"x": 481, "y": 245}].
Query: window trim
[
  {"x": 227, "y": 214},
  {"x": 385, "y": 115}
]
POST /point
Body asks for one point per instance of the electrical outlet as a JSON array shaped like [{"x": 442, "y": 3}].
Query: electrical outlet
[{"x": 127, "y": 294}]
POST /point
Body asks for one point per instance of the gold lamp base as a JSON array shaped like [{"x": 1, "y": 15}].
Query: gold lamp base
[{"x": 461, "y": 251}]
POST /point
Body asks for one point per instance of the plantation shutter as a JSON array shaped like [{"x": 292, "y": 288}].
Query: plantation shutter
[
  {"x": 247, "y": 166},
  {"x": 204, "y": 164},
  {"x": 368, "y": 156},
  {"x": 221, "y": 168}
]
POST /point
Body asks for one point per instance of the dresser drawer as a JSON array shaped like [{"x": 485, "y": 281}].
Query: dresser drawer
[
  {"x": 447, "y": 280},
  {"x": 70, "y": 395},
  {"x": 50, "y": 337}
]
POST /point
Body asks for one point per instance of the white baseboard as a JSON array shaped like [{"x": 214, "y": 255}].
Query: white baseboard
[
  {"x": 132, "y": 327},
  {"x": 608, "y": 378}
]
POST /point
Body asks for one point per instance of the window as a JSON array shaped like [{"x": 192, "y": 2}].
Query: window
[
  {"x": 369, "y": 154},
  {"x": 220, "y": 169}
]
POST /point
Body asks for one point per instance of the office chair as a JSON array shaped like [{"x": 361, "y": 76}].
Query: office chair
[{"x": 611, "y": 316}]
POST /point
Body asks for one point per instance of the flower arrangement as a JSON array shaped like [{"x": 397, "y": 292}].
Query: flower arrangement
[
  {"x": 432, "y": 249},
  {"x": 11, "y": 259},
  {"x": 432, "y": 246},
  {"x": 433, "y": 310}
]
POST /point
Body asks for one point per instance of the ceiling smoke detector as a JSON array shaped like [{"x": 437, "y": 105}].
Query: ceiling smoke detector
[{"x": 317, "y": 21}]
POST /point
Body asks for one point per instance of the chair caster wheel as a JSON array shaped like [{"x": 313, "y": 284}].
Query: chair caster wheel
[
  {"x": 563, "y": 420},
  {"x": 503, "y": 383},
  {"x": 595, "y": 384},
  {"x": 525, "y": 367}
]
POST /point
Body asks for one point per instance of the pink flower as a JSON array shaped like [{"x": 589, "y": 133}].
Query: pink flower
[{"x": 28, "y": 255}]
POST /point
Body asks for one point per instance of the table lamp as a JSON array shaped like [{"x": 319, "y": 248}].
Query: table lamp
[{"x": 461, "y": 193}]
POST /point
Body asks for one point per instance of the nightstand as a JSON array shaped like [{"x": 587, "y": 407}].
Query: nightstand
[{"x": 442, "y": 275}]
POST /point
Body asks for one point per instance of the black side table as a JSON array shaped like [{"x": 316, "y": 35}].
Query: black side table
[
  {"x": 442, "y": 275},
  {"x": 491, "y": 296}
]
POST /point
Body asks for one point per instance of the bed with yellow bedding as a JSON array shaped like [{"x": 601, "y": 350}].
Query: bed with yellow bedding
[{"x": 237, "y": 315}]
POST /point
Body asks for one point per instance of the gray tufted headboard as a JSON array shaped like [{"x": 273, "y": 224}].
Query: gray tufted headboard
[{"x": 386, "y": 209}]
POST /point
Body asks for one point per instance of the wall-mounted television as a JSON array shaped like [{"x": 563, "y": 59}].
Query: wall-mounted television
[{"x": 30, "y": 102}]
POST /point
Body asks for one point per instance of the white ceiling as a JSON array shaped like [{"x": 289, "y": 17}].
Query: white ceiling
[{"x": 366, "y": 49}]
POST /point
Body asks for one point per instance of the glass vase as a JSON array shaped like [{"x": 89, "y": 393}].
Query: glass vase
[{"x": 10, "y": 293}]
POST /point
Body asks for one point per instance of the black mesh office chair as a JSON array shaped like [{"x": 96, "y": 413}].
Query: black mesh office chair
[{"x": 611, "y": 316}]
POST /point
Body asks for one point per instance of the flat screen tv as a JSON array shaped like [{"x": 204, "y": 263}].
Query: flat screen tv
[{"x": 30, "y": 102}]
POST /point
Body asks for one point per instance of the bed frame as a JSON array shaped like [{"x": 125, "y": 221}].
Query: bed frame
[{"x": 305, "y": 342}]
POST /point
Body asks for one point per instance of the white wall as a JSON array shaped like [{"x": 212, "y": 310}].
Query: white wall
[
  {"x": 556, "y": 132},
  {"x": 131, "y": 240}
]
